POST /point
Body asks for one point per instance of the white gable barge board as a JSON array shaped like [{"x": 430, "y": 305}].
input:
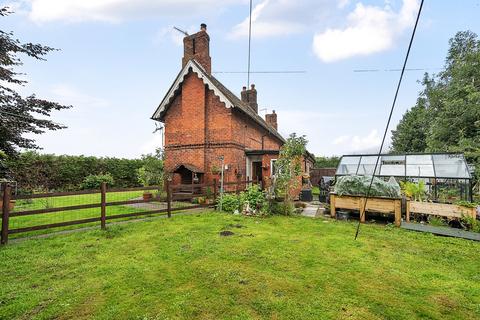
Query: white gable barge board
[{"x": 200, "y": 72}]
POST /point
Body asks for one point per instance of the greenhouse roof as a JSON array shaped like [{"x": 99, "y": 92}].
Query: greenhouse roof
[{"x": 421, "y": 165}]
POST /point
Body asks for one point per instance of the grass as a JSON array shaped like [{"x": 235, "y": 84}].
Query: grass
[
  {"x": 64, "y": 201},
  {"x": 272, "y": 268}
]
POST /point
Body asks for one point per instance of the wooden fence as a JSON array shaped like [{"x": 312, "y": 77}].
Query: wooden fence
[{"x": 209, "y": 193}]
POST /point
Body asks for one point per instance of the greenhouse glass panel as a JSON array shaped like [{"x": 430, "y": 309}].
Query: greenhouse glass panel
[
  {"x": 420, "y": 166},
  {"x": 367, "y": 165},
  {"x": 450, "y": 166},
  {"x": 348, "y": 165},
  {"x": 392, "y": 166}
]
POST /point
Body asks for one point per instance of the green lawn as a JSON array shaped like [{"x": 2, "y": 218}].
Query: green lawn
[
  {"x": 271, "y": 268},
  {"x": 64, "y": 201}
]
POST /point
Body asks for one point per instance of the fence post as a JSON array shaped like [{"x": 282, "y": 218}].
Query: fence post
[
  {"x": 5, "y": 212},
  {"x": 169, "y": 200},
  {"x": 103, "y": 207},
  {"x": 238, "y": 184},
  {"x": 214, "y": 190}
]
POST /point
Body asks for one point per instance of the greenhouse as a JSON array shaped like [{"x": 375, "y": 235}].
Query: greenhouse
[{"x": 446, "y": 175}]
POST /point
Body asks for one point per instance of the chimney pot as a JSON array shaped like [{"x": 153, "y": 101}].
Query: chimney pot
[
  {"x": 253, "y": 86},
  {"x": 271, "y": 119},
  {"x": 203, "y": 27},
  {"x": 244, "y": 88}
]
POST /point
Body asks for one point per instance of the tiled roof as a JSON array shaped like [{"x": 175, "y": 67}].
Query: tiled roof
[{"x": 225, "y": 95}]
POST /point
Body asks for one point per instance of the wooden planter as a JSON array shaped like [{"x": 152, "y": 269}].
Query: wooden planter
[
  {"x": 375, "y": 204},
  {"x": 439, "y": 209}
]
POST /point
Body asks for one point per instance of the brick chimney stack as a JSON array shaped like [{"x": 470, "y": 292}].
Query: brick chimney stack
[
  {"x": 197, "y": 46},
  {"x": 250, "y": 97},
  {"x": 271, "y": 119}
]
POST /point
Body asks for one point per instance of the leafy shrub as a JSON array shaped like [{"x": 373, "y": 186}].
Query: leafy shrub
[
  {"x": 34, "y": 171},
  {"x": 229, "y": 202},
  {"x": 282, "y": 208},
  {"x": 151, "y": 173},
  {"x": 358, "y": 186},
  {"x": 94, "y": 181},
  {"x": 414, "y": 191},
  {"x": 437, "y": 221},
  {"x": 467, "y": 204},
  {"x": 470, "y": 223},
  {"x": 254, "y": 196}
]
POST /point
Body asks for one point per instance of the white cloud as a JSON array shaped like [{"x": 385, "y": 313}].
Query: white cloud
[
  {"x": 283, "y": 17},
  {"x": 370, "y": 29},
  {"x": 118, "y": 10},
  {"x": 343, "y": 3},
  {"x": 69, "y": 95},
  {"x": 357, "y": 143}
]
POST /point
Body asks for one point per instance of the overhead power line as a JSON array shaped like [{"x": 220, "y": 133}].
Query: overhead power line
[
  {"x": 280, "y": 71},
  {"x": 395, "y": 70},
  {"x": 389, "y": 118}
]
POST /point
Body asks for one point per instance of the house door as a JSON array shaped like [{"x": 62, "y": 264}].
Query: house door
[{"x": 257, "y": 171}]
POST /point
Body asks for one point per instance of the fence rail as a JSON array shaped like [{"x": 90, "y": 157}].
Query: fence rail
[{"x": 162, "y": 203}]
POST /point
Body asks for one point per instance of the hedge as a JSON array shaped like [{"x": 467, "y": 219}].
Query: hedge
[{"x": 34, "y": 171}]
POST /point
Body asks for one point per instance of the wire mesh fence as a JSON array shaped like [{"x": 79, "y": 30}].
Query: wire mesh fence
[{"x": 38, "y": 213}]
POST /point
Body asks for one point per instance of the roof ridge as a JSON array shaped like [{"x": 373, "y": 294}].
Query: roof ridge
[{"x": 225, "y": 95}]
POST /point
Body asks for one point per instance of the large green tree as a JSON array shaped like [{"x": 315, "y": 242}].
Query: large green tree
[
  {"x": 19, "y": 115},
  {"x": 446, "y": 116}
]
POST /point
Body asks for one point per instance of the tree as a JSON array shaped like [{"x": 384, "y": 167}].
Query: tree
[
  {"x": 289, "y": 169},
  {"x": 327, "y": 162},
  {"x": 446, "y": 117},
  {"x": 19, "y": 115},
  {"x": 151, "y": 173}
]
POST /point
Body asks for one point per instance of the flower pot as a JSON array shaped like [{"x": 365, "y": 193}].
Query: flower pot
[{"x": 147, "y": 196}]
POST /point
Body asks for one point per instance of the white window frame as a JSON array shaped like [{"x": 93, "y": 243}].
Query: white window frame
[{"x": 271, "y": 166}]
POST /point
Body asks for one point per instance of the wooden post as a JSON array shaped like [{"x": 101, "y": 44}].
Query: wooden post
[
  {"x": 103, "y": 208},
  {"x": 333, "y": 212},
  {"x": 238, "y": 184},
  {"x": 5, "y": 212},
  {"x": 398, "y": 212},
  {"x": 407, "y": 211},
  {"x": 214, "y": 190},
  {"x": 169, "y": 200},
  {"x": 362, "y": 209}
]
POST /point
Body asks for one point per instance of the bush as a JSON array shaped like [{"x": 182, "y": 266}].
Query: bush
[
  {"x": 470, "y": 224},
  {"x": 151, "y": 173},
  {"x": 282, "y": 208},
  {"x": 94, "y": 181},
  {"x": 358, "y": 186},
  {"x": 229, "y": 203},
  {"x": 35, "y": 171},
  {"x": 254, "y": 196}
]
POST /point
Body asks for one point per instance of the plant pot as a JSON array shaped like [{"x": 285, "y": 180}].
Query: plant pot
[
  {"x": 12, "y": 204},
  {"x": 147, "y": 196}
]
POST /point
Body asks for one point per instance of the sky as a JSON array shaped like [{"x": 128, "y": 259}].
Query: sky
[{"x": 118, "y": 58}]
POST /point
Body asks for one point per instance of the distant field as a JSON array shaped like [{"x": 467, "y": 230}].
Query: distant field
[{"x": 270, "y": 268}]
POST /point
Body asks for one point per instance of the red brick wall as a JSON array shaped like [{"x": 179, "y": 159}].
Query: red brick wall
[{"x": 199, "y": 129}]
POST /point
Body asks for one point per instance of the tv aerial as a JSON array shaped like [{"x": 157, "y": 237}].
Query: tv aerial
[{"x": 181, "y": 31}]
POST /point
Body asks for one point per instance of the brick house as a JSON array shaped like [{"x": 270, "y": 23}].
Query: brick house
[{"x": 204, "y": 120}]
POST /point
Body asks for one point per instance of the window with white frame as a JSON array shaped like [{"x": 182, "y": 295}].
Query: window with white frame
[{"x": 273, "y": 170}]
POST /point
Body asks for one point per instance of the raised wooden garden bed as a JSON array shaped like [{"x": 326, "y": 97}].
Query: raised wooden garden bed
[
  {"x": 374, "y": 204},
  {"x": 439, "y": 209}
]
